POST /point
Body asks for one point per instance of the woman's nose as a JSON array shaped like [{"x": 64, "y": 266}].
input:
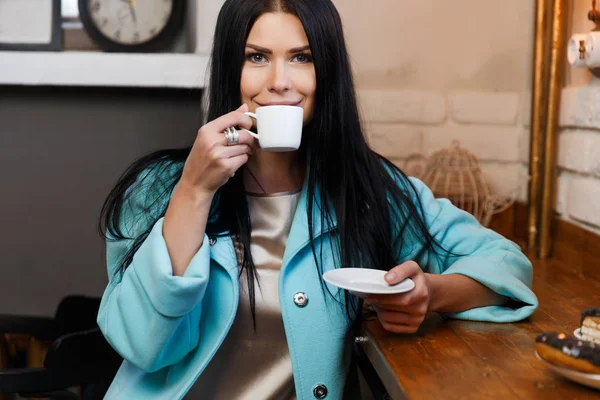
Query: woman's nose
[{"x": 280, "y": 80}]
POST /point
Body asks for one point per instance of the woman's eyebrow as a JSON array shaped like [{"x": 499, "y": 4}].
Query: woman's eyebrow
[
  {"x": 299, "y": 49},
  {"x": 258, "y": 48},
  {"x": 267, "y": 51}
]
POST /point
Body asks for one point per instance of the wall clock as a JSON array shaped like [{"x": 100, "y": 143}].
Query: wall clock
[{"x": 130, "y": 25}]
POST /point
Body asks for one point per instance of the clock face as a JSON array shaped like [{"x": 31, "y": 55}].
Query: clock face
[{"x": 130, "y": 22}]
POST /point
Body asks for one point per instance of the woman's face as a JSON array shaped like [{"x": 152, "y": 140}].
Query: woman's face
[{"x": 278, "y": 68}]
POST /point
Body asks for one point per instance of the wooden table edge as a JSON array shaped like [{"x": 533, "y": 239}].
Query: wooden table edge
[{"x": 382, "y": 367}]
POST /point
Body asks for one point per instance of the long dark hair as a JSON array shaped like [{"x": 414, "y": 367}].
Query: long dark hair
[{"x": 371, "y": 199}]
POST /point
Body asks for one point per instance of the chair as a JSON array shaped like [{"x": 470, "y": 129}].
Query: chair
[
  {"x": 74, "y": 313},
  {"x": 46, "y": 356}
]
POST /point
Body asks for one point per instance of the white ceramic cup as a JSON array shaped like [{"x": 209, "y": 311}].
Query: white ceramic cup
[{"x": 279, "y": 127}]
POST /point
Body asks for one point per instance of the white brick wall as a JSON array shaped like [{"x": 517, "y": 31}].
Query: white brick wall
[
  {"x": 489, "y": 124},
  {"x": 580, "y": 107},
  {"x": 578, "y": 186},
  {"x": 410, "y": 106},
  {"x": 503, "y": 178},
  {"x": 487, "y": 142},
  {"x": 562, "y": 191},
  {"x": 524, "y": 145},
  {"x": 580, "y": 151},
  {"x": 395, "y": 141},
  {"x": 582, "y": 200},
  {"x": 484, "y": 107},
  {"x": 525, "y": 118}
]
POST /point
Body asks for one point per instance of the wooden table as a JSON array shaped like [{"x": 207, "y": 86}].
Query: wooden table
[{"x": 452, "y": 359}]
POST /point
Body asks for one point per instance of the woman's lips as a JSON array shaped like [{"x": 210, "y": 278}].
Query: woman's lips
[{"x": 279, "y": 103}]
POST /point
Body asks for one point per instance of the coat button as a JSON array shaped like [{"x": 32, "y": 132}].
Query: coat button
[
  {"x": 320, "y": 391},
  {"x": 212, "y": 241},
  {"x": 300, "y": 299}
]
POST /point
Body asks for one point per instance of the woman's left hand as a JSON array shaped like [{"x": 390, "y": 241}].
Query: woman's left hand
[{"x": 403, "y": 312}]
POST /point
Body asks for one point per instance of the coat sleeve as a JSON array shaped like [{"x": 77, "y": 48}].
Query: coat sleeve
[
  {"x": 148, "y": 315},
  {"x": 476, "y": 252}
]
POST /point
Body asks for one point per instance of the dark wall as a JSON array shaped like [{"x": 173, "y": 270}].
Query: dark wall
[{"x": 61, "y": 151}]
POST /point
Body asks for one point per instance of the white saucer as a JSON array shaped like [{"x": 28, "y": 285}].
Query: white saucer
[
  {"x": 361, "y": 281},
  {"x": 591, "y": 380}
]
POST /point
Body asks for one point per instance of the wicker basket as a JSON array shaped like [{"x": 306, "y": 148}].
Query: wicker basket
[{"x": 454, "y": 173}]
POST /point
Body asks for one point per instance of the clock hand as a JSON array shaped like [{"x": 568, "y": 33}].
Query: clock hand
[
  {"x": 133, "y": 14},
  {"x": 131, "y": 4}
]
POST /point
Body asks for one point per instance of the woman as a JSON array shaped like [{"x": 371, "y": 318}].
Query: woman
[{"x": 215, "y": 253}]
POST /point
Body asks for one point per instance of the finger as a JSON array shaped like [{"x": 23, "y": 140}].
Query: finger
[
  {"x": 404, "y": 304},
  {"x": 397, "y": 317},
  {"x": 401, "y": 272},
  {"x": 397, "y": 328},
  {"x": 413, "y": 299},
  {"x": 244, "y": 138},
  {"x": 398, "y": 299},
  {"x": 236, "y": 162},
  {"x": 391, "y": 304},
  {"x": 235, "y": 150},
  {"x": 234, "y": 118}
]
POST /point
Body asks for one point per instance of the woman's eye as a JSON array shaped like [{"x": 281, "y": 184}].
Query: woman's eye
[
  {"x": 303, "y": 58},
  {"x": 256, "y": 58}
]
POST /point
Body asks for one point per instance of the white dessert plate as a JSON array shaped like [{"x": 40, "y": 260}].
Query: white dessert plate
[
  {"x": 361, "y": 281},
  {"x": 591, "y": 380}
]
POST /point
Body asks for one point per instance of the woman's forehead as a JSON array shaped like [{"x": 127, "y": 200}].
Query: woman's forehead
[{"x": 278, "y": 30}]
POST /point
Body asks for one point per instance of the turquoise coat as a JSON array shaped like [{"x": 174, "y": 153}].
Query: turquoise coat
[{"x": 167, "y": 328}]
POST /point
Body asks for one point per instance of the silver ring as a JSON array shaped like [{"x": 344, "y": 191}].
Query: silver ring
[{"x": 232, "y": 136}]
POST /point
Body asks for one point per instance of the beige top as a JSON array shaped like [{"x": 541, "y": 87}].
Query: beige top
[{"x": 256, "y": 365}]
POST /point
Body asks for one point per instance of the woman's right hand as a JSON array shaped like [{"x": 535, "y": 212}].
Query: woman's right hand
[{"x": 211, "y": 162}]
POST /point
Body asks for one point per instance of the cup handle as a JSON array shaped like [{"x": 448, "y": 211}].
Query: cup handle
[{"x": 251, "y": 115}]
